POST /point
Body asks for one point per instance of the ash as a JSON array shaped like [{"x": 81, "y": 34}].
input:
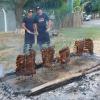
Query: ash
[
  {"x": 86, "y": 88},
  {"x": 7, "y": 93}
]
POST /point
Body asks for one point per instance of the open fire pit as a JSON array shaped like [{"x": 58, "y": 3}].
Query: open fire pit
[{"x": 75, "y": 67}]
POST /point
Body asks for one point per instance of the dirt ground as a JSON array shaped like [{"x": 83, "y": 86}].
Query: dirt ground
[{"x": 11, "y": 45}]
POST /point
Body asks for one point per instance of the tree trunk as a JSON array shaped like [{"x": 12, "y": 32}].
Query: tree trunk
[{"x": 19, "y": 10}]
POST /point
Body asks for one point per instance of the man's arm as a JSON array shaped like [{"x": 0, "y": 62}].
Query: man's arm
[
  {"x": 23, "y": 26},
  {"x": 49, "y": 23}
]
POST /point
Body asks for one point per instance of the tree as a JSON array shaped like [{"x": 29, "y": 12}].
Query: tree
[
  {"x": 96, "y": 5},
  {"x": 76, "y": 3},
  {"x": 19, "y": 9}
]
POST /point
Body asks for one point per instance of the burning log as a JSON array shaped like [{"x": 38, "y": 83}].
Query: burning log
[
  {"x": 47, "y": 56},
  {"x": 64, "y": 55},
  {"x": 83, "y": 46},
  {"x": 26, "y": 64}
]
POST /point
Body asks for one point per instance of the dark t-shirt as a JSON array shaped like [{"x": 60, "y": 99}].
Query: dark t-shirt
[
  {"x": 29, "y": 23},
  {"x": 41, "y": 20}
]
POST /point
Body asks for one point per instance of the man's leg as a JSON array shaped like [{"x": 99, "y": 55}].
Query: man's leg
[
  {"x": 25, "y": 43},
  {"x": 44, "y": 39},
  {"x": 27, "y": 48},
  {"x": 47, "y": 38},
  {"x": 28, "y": 42}
]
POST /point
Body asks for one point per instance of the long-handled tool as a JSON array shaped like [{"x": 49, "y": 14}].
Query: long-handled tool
[
  {"x": 35, "y": 39},
  {"x": 35, "y": 35}
]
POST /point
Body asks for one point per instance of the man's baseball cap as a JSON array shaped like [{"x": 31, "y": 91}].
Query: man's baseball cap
[
  {"x": 38, "y": 8},
  {"x": 30, "y": 10}
]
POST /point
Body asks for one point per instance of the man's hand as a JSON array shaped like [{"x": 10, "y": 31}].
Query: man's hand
[
  {"x": 48, "y": 29},
  {"x": 29, "y": 31},
  {"x": 36, "y": 33}
]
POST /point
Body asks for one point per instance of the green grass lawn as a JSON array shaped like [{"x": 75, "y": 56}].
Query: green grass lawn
[
  {"x": 68, "y": 36},
  {"x": 78, "y": 33}
]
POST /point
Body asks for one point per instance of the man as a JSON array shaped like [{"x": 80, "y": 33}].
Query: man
[
  {"x": 29, "y": 26},
  {"x": 43, "y": 26}
]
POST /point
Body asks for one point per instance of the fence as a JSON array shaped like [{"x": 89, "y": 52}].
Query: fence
[{"x": 72, "y": 20}]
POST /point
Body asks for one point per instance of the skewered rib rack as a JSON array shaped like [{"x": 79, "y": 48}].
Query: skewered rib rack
[
  {"x": 64, "y": 55},
  {"x": 88, "y": 46},
  {"x": 83, "y": 46},
  {"x": 26, "y": 64},
  {"x": 47, "y": 56}
]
